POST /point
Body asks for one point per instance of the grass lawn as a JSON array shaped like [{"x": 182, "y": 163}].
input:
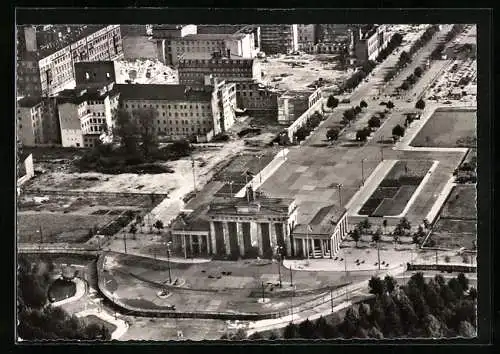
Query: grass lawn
[
  {"x": 61, "y": 289},
  {"x": 57, "y": 227},
  {"x": 92, "y": 319},
  {"x": 396, "y": 189},
  {"x": 448, "y": 128},
  {"x": 461, "y": 204}
]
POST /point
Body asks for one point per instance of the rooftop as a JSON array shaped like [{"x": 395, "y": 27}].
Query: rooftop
[
  {"x": 213, "y": 36},
  {"x": 29, "y": 101},
  {"x": 323, "y": 222},
  {"x": 74, "y": 36},
  {"x": 195, "y": 221},
  {"x": 304, "y": 94},
  {"x": 162, "y": 92},
  {"x": 259, "y": 206},
  {"x": 205, "y": 58},
  {"x": 79, "y": 96}
]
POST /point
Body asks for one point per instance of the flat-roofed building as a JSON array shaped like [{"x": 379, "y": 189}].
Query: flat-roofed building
[
  {"x": 176, "y": 41},
  {"x": 192, "y": 70},
  {"x": 293, "y": 103},
  {"x": 369, "y": 42},
  {"x": 94, "y": 74},
  {"x": 183, "y": 112},
  {"x": 45, "y": 69},
  {"x": 37, "y": 122},
  {"x": 306, "y": 36},
  {"x": 85, "y": 114},
  {"x": 279, "y": 39}
]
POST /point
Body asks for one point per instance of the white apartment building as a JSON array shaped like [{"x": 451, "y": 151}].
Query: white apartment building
[{"x": 83, "y": 114}]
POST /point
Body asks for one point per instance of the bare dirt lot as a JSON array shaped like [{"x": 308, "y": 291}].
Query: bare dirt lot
[
  {"x": 448, "y": 128},
  {"x": 69, "y": 218},
  {"x": 290, "y": 72}
]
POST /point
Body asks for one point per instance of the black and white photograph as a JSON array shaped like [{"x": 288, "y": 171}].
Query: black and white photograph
[{"x": 189, "y": 182}]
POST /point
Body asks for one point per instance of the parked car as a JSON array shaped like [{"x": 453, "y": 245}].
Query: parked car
[
  {"x": 345, "y": 100},
  {"x": 447, "y": 102}
]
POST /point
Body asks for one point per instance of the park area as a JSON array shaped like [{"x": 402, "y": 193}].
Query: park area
[
  {"x": 92, "y": 319},
  {"x": 61, "y": 289},
  {"x": 396, "y": 189},
  {"x": 216, "y": 286},
  {"x": 457, "y": 223},
  {"x": 448, "y": 128}
]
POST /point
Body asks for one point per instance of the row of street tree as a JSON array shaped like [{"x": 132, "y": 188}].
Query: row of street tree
[{"x": 419, "y": 309}]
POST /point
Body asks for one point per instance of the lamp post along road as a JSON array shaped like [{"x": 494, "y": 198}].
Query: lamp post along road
[
  {"x": 362, "y": 172},
  {"x": 168, "y": 262},
  {"x": 278, "y": 254},
  {"x": 339, "y": 186}
]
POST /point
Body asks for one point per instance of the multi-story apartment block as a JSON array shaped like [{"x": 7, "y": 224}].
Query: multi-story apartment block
[
  {"x": 331, "y": 33},
  {"x": 43, "y": 69},
  {"x": 37, "y": 121},
  {"x": 192, "y": 72},
  {"x": 84, "y": 114},
  {"x": 175, "y": 41},
  {"x": 94, "y": 74},
  {"x": 369, "y": 42},
  {"x": 183, "y": 112},
  {"x": 254, "y": 97},
  {"x": 279, "y": 39},
  {"x": 292, "y": 104},
  {"x": 251, "y": 95},
  {"x": 306, "y": 36}
]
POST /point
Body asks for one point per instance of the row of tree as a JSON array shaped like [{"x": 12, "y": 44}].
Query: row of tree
[
  {"x": 37, "y": 319},
  {"x": 393, "y": 43},
  {"x": 418, "y": 309},
  {"x": 311, "y": 123},
  {"x": 412, "y": 78},
  {"x": 405, "y": 57},
  {"x": 424, "y": 39},
  {"x": 353, "y": 82}
]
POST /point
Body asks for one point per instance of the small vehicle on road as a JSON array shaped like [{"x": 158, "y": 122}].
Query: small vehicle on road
[
  {"x": 345, "y": 100},
  {"x": 408, "y": 100},
  {"x": 447, "y": 102}
]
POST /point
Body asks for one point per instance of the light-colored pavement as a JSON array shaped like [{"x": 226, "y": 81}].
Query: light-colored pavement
[
  {"x": 81, "y": 288},
  {"x": 121, "y": 325}
]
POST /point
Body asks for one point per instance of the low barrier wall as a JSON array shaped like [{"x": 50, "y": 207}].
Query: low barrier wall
[
  {"x": 299, "y": 122},
  {"x": 463, "y": 268}
]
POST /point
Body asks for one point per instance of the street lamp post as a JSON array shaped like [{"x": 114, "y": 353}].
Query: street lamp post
[
  {"x": 362, "y": 172},
  {"x": 291, "y": 277},
  {"x": 339, "y": 186},
  {"x": 278, "y": 254},
  {"x": 381, "y": 153},
  {"x": 263, "y": 297},
  {"x": 260, "y": 170},
  {"x": 168, "y": 262}
]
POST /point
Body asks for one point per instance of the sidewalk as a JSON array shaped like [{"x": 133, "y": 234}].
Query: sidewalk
[
  {"x": 80, "y": 291},
  {"x": 121, "y": 325}
]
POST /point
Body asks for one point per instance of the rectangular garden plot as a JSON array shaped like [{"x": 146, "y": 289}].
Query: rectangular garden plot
[{"x": 396, "y": 189}]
